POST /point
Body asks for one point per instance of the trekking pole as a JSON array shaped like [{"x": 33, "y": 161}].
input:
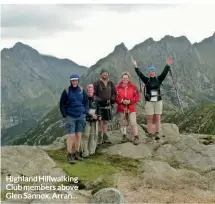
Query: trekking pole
[
  {"x": 141, "y": 92},
  {"x": 140, "y": 84},
  {"x": 176, "y": 90},
  {"x": 126, "y": 116}
]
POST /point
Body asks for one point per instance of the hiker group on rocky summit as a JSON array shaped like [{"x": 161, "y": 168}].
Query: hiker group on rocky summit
[{"x": 89, "y": 111}]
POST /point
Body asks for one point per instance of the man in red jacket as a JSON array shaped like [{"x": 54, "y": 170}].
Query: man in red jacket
[{"x": 126, "y": 98}]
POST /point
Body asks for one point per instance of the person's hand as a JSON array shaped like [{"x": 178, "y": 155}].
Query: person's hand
[
  {"x": 94, "y": 116},
  {"x": 126, "y": 102},
  {"x": 169, "y": 61},
  {"x": 134, "y": 62},
  {"x": 99, "y": 118}
]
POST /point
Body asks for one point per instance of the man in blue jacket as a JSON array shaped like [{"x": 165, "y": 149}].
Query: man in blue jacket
[{"x": 73, "y": 107}]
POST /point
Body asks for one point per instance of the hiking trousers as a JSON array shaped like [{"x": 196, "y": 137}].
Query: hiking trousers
[{"x": 89, "y": 138}]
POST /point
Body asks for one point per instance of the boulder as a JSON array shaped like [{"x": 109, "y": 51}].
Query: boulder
[
  {"x": 162, "y": 175},
  {"x": 108, "y": 195}
]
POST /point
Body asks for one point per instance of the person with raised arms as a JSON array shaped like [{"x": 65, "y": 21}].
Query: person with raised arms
[{"x": 154, "y": 103}]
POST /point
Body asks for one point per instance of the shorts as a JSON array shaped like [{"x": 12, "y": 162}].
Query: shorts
[
  {"x": 155, "y": 107},
  {"x": 106, "y": 114},
  {"x": 132, "y": 119},
  {"x": 75, "y": 124}
]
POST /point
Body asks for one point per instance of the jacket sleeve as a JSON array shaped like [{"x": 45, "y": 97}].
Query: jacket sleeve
[
  {"x": 119, "y": 98},
  {"x": 136, "y": 96},
  {"x": 141, "y": 75},
  {"x": 163, "y": 75},
  {"x": 86, "y": 102},
  {"x": 113, "y": 93},
  {"x": 98, "y": 110},
  {"x": 63, "y": 102}
]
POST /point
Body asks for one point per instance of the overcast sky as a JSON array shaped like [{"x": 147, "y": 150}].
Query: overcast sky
[{"x": 86, "y": 33}]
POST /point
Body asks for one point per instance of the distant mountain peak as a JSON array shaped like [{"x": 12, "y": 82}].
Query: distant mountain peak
[
  {"x": 149, "y": 40},
  {"x": 18, "y": 48},
  {"x": 181, "y": 38},
  {"x": 146, "y": 42},
  {"x": 120, "y": 48},
  {"x": 21, "y": 46}
]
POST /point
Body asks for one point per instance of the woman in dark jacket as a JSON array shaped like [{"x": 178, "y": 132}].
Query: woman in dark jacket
[
  {"x": 90, "y": 135},
  {"x": 154, "y": 103}
]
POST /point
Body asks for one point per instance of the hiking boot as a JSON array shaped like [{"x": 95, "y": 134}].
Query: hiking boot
[
  {"x": 150, "y": 135},
  {"x": 136, "y": 140},
  {"x": 70, "y": 158},
  {"x": 85, "y": 156},
  {"x": 99, "y": 141},
  {"x": 93, "y": 154},
  {"x": 124, "y": 138},
  {"x": 106, "y": 140},
  {"x": 78, "y": 157},
  {"x": 157, "y": 136}
]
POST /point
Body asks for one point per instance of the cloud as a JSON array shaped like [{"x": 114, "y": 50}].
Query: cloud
[
  {"x": 126, "y": 8},
  {"x": 35, "y": 21},
  {"x": 102, "y": 27},
  {"x": 29, "y": 21}
]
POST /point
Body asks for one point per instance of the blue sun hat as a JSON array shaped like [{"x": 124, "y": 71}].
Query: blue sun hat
[
  {"x": 152, "y": 68},
  {"x": 74, "y": 77}
]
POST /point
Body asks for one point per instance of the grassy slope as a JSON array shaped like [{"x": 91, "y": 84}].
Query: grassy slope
[
  {"x": 199, "y": 119},
  {"x": 100, "y": 165}
]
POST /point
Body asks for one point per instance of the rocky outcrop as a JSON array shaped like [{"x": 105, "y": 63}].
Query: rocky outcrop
[
  {"x": 25, "y": 162},
  {"x": 108, "y": 195},
  {"x": 175, "y": 160},
  {"x": 161, "y": 175}
]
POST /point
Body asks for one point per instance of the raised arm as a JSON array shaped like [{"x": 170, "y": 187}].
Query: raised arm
[
  {"x": 163, "y": 75},
  {"x": 139, "y": 73}
]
